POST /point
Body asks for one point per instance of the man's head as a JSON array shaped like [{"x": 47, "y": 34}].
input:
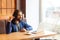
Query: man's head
[{"x": 17, "y": 14}]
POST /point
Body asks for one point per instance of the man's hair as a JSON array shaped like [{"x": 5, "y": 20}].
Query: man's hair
[{"x": 15, "y": 13}]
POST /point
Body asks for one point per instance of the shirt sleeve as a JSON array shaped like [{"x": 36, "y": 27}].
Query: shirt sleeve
[
  {"x": 28, "y": 27},
  {"x": 8, "y": 28}
]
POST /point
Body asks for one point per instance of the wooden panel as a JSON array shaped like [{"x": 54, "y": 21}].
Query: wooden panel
[
  {"x": 3, "y": 3},
  {"x": 0, "y": 3},
  {"x": 9, "y": 3},
  {"x": 13, "y": 3},
  {"x": 3, "y": 11},
  {"x": 7, "y": 7},
  {"x": 0, "y": 11},
  {"x": 0, "y": 6},
  {"x": 13, "y": 11},
  {"x": 3, "y": 17},
  {"x": 9, "y": 11}
]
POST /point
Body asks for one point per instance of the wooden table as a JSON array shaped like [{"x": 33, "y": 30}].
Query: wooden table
[{"x": 22, "y": 35}]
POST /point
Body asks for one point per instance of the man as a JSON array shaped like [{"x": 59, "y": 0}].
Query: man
[{"x": 16, "y": 24}]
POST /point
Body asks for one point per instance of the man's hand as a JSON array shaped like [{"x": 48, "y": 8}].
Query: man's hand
[
  {"x": 10, "y": 18},
  {"x": 23, "y": 30}
]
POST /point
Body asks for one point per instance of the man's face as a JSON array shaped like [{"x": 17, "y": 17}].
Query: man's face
[{"x": 19, "y": 16}]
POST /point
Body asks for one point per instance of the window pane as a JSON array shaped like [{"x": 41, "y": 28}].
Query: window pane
[
  {"x": 9, "y": 3},
  {"x": 9, "y": 12},
  {"x": 13, "y": 11},
  {"x": 0, "y": 3},
  {"x": 3, "y": 11},
  {"x": 7, "y": 8},
  {"x": 0, "y": 11},
  {"x": 13, "y": 3},
  {"x": 3, "y": 3}
]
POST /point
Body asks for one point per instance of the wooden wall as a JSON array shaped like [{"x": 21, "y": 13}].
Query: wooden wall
[{"x": 7, "y": 8}]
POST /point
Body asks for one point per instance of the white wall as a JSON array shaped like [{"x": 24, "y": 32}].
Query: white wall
[{"x": 32, "y": 13}]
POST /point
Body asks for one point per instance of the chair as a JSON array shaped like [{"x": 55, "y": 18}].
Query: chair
[{"x": 2, "y": 26}]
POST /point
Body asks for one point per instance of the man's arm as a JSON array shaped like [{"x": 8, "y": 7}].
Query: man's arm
[
  {"x": 8, "y": 28},
  {"x": 28, "y": 27}
]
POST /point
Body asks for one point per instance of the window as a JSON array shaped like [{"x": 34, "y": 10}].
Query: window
[{"x": 7, "y": 7}]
